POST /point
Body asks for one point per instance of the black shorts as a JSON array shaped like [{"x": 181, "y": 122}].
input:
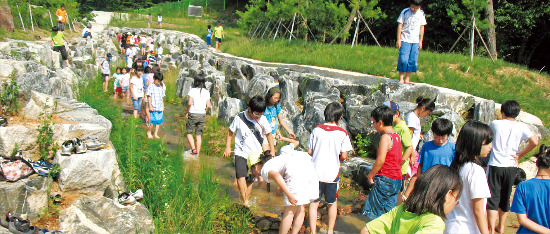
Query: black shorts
[
  {"x": 241, "y": 167},
  {"x": 218, "y": 40},
  {"x": 330, "y": 190},
  {"x": 105, "y": 77},
  {"x": 195, "y": 123},
  {"x": 501, "y": 181},
  {"x": 62, "y": 50}
]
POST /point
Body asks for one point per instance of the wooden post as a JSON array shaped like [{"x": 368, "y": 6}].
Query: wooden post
[
  {"x": 487, "y": 48},
  {"x": 20, "y": 18},
  {"x": 276, "y": 31},
  {"x": 50, "y": 14},
  {"x": 459, "y": 37},
  {"x": 370, "y": 31},
  {"x": 266, "y": 27},
  {"x": 30, "y": 13},
  {"x": 292, "y": 28},
  {"x": 355, "y": 33}
]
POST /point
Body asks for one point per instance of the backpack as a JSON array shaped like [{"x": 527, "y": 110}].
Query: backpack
[{"x": 15, "y": 168}]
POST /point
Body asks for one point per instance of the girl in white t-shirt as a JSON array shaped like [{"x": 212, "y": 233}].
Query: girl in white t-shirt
[
  {"x": 136, "y": 91},
  {"x": 469, "y": 216},
  {"x": 197, "y": 107}
]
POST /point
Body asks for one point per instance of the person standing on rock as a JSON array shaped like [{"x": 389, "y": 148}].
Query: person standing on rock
[
  {"x": 58, "y": 43},
  {"x": 105, "y": 67},
  {"x": 410, "y": 34},
  {"x": 218, "y": 34},
  {"x": 61, "y": 18},
  {"x": 504, "y": 160}
]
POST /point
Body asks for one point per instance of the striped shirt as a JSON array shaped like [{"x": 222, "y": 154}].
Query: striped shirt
[{"x": 156, "y": 93}]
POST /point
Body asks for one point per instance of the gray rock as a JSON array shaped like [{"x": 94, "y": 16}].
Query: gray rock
[
  {"x": 258, "y": 86},
  {"x": 22, "y": 136},
  {"x": 359, "y": 120},
  {"x": 27, "y": 196},
  {"x": 484, "y": 111},
  {"x": 184, "y": 84},
  {"x": 263, "y": 225},
  {"x": 96, "y": 214},
  {"x": 218, "y": 92},
  {"x": 239, "y": 88},
  {"x": 229, "y": 108}
]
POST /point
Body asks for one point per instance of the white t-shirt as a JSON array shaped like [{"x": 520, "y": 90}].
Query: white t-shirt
[
  {"x": 508, "y": 137},
  {"x": 245, "y": 141},
  {"x": 200, "y": 97},
  {"x": 124, "y": 79},
  {"x": 143, "y": 40},
  {"x": 130, "y": 52},
  {"x": 160, "y": 50},
  {"x": 462, "y": 219},
  {"x": 159, "y": 18},
  {"x": 327, "y": 146},
  {"x": 411, "y": 25},
  {"x": 137, "y": 86},
  {"x": 105, "y": 66},
  {"x": 298, "y": 172},
  {"x": 413, "y": 121}
]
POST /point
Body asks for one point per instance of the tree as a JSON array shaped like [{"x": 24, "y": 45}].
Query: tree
[{"x": 491, "y": 32}]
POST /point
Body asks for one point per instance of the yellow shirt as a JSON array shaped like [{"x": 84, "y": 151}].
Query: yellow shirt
[
  {"x": 61, "y": 15},
  {"x": 218, "y": 32}
]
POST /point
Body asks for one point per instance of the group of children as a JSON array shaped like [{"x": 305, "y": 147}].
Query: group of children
[
  {"x": 218, "y": 34},
  {"x": 135, "y": 47}
]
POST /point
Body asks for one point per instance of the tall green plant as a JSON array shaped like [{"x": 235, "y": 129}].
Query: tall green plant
[
  {"x": 9, "y": 98},
  {"x": 46, "y": 145}
]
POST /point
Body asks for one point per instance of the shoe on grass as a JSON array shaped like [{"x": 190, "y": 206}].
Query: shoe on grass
[
  {"x": 67, "y": 148},
  {"x": 79, "y": 146},
  {"x": 126, "y": 199},
  {"x": 138, "y": 194}
]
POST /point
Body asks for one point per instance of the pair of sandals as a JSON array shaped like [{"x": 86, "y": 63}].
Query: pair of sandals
[{"x": 19, "y": 225}]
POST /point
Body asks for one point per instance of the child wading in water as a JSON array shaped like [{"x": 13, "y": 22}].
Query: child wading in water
[
  {"x": 273, "y": 111},
  {"x": 136, "y": 91},
  {"x": 474, "y": 141},
  {"x": 433, "y": 197},
  {"x": 197, "y": 107},
  {"x": 155, "y": 94}
]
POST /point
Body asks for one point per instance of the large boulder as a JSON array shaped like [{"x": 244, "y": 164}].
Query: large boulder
[
  {"x": 97, "y": 214},
  {"x": 27, "y": 196},
  {"x": 258, "y": 86},
  {"x": 229, "y": 108},
  {"x": 239, "y": 88}
]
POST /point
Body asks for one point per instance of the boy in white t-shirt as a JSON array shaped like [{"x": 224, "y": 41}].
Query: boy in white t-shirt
[
  {"x": 410, "y": 33},
  {"x": 249, "y": 128},
  {"x": 503, "y": 161},
  {"x": 328, "y": 144}
]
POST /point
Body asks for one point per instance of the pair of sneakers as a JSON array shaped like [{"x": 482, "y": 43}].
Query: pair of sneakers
[
  {"x": 130, "y": 198},
  {"x": 20, "y": 226},
  {"x": 41, "y": 167},
  {"x": 3, "y": 122},
  {"x": 73, "y": 146}
]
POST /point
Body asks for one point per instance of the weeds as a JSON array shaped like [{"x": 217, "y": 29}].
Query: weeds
[
  {"x": 364, "y": 145},
  {"x": 46, "y": 145},
  {"x": 9, "y": 98}
]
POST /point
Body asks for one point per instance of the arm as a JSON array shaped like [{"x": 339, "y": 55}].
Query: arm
[
  {"x": 365, "y": 230},
  {"x": 310, "y": 152},
  {"x": 208, "y": 105},
  {"x": 132, "y": 91},
  {"x": 289, "y": 140},
  {"x": 383, "y": 146},
  {"x": 421, "y": 37},
  {"x": 271, "y": 143},
  {"x": 343, "y": 156},
  {"x": 228, "y": 139},
  {"x": 273, "y": 175},
  {"x": 149, "y": 103},
  {"x": 399, "y": 29},
  {"x": 532, "y": 143},
  {"x": 479, "y": 215},
  {"x": 407, "y": 154},
  {"x": 189, "y": 104},
  {"x": 531, "y": 225},
  {"x": 419, "y": 170},
  {"x": 283, "y": 123}
]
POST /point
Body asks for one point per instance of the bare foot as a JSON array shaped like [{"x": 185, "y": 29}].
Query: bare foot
[
  {"x": 149, "y": 135},
  {"x": 157, "y": 137},
  {"x": 402, "y": 82},
  {"x": 408, "y": 82}
]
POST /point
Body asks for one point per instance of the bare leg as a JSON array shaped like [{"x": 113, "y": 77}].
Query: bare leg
[
  {"x": 157, "y": 131},
  {"x": 135, "y": 114},
  {"x": 410, "y": 187},
  {"x": 313, "y": 216},
  {"x": 332, "y": 213},
  {"x": 191, "y": 141},
  {"x": 241, "y": 184},
  {"x": 288, "y": 217},
  {"x": 408, "y": 78},
  {"x": 501, "y": 221},
  {"x": 401, "y": 77},
  {"x": 492, "y": 220},
  {"x": 67, "y": 61},
  {"x": 199, "y": 142},
  {"x": 299, "y": 215},
  {"x": 149, "y": 130}
]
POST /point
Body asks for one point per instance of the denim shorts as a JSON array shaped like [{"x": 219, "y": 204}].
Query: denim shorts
[
  {"x": 382, "y": 196},
  {"x": 408, "y": 55},
  {"x": 137, "y": 104},
  {"x": 125, "y": 89}
]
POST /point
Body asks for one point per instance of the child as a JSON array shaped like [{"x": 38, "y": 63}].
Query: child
[
  {"x": 155, "y": 94},
  {"x": 147, "y": 81},
  {"x": 386, "y": 171},
  {"x": 503, "y": 161},
  {"x": 273, "y": 111},
  {"x": 474, "y": 141},
  {"x": 125, "y": 82},
  {"x": 209, "y": 36},
  {"x": 402, "y": 129},
  {"x": 129, "y": 61},
  {"x": 159, "y": 51},
  {"x": 410, "y": 34},
  {"x": 116, "y": 84},
  {"x": 136, "y": 91},
  {"x": 159, "y": 20},
  {"x": 149, "y": 19},
  {"x": 197, "y": 107},
  {"x": 106, "y": 71},
  {"x": 531, "y": 201},
  {"x": 218, "y": 34},
  {"x": 438, "y": 151},
  {"x": 433, "y": 198},
  {"x": 328, "y": 144},
  {"x": 249, "y": 128},
  {"x": 58, "y": 44},
  {"x": 295, "y": 174}
]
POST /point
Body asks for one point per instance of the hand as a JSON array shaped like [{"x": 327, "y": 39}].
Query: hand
[
  {"x": 292, "y": 135},
  {"x": 135, "y": 98},
  {"x": 370, "y": 177},
  {"x": 398, "y": 44},
  {"x": 292, "y": 200},
  {"x": 277, "y": 136},
  {"x": 421, "y": 137},
  {"x": 516, "y": 159},
  {"x": 272, "y": 153},
  {"x": 227, "y": 152},
  {"x": 419, "y": 45},
  {"x": 187, "y": 115}
]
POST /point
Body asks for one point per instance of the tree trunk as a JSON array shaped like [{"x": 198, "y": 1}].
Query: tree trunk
[
  {"x": 491, "y": 33},
  {"x": 351, "y": 16}
]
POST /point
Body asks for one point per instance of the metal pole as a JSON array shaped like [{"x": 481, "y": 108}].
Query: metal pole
[
  {"x": 256, "y": 30},
  {"x": 30, "y": 13},
  {"x": 355, "y": 33},
  {"x": 20, "y": 18},
  {"x": 265, "y": 30},
  {"x": 50, "y": 14},
  {"x": 291, "y": 29},
  {"x": 67, "y": 21},
  {"x": 472, "y": 40},
  {"x": 276, "y": 31}
]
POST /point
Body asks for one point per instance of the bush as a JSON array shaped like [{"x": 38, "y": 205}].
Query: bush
[
  {"x": 9, "y": 98},
  {"x": 364, "y": 145}
]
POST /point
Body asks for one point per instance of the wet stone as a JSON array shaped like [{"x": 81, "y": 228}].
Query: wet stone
[{"x": 263, "y": 225}]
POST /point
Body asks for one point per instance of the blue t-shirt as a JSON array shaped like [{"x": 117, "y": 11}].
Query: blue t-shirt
[
  {"x": 531, "y": 198},
  {"x": 432, "y": 154},
  {"x": 271, "y": 115},
  {"x": 209, "y": 33}
]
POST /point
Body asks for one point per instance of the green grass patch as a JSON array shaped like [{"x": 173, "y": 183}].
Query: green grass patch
[{"x": 180, "y": 197}]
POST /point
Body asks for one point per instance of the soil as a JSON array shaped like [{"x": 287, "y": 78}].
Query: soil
[{"x": 32, "y": 122}]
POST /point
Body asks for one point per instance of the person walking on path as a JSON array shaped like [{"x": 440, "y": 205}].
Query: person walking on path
[
  {"x": 106, "y": 71},
  {"x": 149, "y": 20},
  {"x": 197, "y": 107},
  {"x": 218, "y": 34},
  {"x": 61, "y": 17},
  {"x": 410, "y": 34},
  {"x": 58, "y": 43},
  {"x": 159, "y": 20}
]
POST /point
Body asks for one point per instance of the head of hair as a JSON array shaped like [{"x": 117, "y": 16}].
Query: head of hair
[
  {"x": 218, "y": 22},
  {"x": 147, "y": 69},
  {"x": 158, "y": 76},
  {"x": 55, "y": 28},
  {"x": 209, "y": 26},
  {"x": 430, "y": 190},
  {"x": 510, "y": 108},
  {"x": 199, "y": 82},
  {"x": 272, "y": 91},
  {"x": 125, "y": 69},
  {"x": 384, "y": 114},
  {"x": 543, "y": 157},
  {"x": 118, "y": 70},
  {"x": 428, "y": 103},
  {"x": 334, "y": 112},
  {"x": 416, "y": 2},
  {"x": 470, "y": 139},
  {"x": 442, "y": 127},
  {"x": 257, "y": 104},
  {"x": 156, "y": 68},
  {"x": 62, "y": 5}
]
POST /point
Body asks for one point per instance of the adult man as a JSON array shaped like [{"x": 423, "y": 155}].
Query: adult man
[{"x": 61, "y": 18}]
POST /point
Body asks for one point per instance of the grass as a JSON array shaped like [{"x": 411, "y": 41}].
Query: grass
[{"x": 181, "y": 199}]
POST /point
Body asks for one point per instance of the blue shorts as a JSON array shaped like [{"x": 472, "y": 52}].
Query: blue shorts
[
  {"x": 330, "y": 190},
  {"x": 408, "y": 55},
  {"x": 137, "y": 104},
  {"x": 208, "y": 40},
  {"x": 382, "y": 196},
  {"x": 156, "y": 117},
  {"x": 125, "y": 89}
]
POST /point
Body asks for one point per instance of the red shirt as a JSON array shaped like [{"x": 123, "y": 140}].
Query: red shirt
[{"x": 392, "y": 165}]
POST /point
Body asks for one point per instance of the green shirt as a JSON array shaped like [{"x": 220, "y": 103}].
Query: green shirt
[
  {"x": 218, "y": 31},
  {"x": 406, "y": 140},
  {"x": 400, "y": 221},
  {"x": 58, "y": 39}
]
